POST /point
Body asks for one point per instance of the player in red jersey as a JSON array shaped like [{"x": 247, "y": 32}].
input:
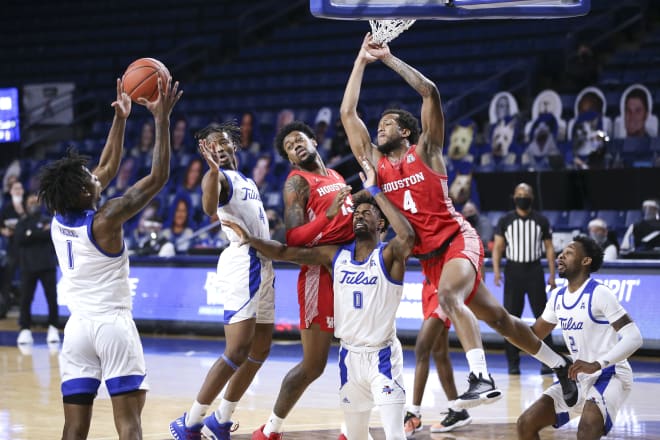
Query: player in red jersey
[
  {"x": 317, "y": 210},
  {"x": 412, "y": 173}
]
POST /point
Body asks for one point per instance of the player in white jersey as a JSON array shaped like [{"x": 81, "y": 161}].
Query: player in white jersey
[
  {"x": 600, "y": 335},
  {"x": 101, "y": 342},
  {"x": 246, "y": 281},
  {"x": 368, "y": 283}
]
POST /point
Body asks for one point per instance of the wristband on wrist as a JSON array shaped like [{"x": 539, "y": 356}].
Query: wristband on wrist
[{"x": 373, "y": 190}]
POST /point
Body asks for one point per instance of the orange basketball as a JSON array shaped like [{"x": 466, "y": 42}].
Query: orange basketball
[{"x": 141, "y": 78}]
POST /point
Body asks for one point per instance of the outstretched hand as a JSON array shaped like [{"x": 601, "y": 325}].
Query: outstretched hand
[
  {"x": 368, "y": 173},
  {"x": 364, "y": 55},
  {"x": 122, "y": 104},
  {"x": 168, "y": 96},
  {"x": 375, "y": 50},
  {"x": 207, "y": 151},
  {"x": 242, "y": 233},
  {"x": 338, "y": 201}
]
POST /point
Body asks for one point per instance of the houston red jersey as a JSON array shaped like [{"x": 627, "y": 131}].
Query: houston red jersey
[
  {"x": 322, "y": 191},
  {"x": 423, "y": 197}
]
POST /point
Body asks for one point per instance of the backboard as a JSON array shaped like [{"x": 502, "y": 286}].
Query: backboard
[{"x": 447, "y": 9}]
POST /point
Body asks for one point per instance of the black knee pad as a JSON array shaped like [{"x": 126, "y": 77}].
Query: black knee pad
[{"x": 79, "y": 399}]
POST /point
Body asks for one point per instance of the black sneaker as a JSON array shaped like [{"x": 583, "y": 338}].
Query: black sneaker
[
  {"x": 454, "y": 419},
  {"x": 412, "y": 423},
  {"x": 480, "y": 391},
  {"x": 568, "y": 386}
]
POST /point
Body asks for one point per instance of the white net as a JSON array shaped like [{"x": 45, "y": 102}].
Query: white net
[{"x": 384, "y": 31}]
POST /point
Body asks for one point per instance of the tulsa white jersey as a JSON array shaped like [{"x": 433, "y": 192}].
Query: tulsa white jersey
[
  {"x": 586, "y": 318},
  {"x": 366, "y": 299},
  {"x": 94, "y": 282},
  {"x": 243, "y": 207}
]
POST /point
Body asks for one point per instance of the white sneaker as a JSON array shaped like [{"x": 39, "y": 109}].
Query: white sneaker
[
  {"x": 25, "y": 337},
  {"x": 53, "y": 334}
]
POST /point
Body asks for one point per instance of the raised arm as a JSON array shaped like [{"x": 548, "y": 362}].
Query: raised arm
[
  {"x": 274, "y": 250},
  {"x": 433, "y": 120},
  {"x": 110, "y": 158},
  {"x": 215, "y": 187},
  {"x": 356, "y": 130},
  {"x": 299, "y": 230},
  {"x": 111, "y": 217},
  {"x": 398, "y": 249}
]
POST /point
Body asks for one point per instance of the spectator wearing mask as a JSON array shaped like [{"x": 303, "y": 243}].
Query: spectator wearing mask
[
  {"x": 645, "y": 234},
  {"x": 37, "y": 262},
  {"x": 13, "y": 210},
  {"x": 478, "y": 222},
  {"x": 599, "y": 233}
]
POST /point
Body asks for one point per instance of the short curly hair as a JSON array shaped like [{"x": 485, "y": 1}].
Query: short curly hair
[
  {"x": 406, "y": 120},
  {"x": 288, "y": 128},
  {"x": 362, "y": 197},
  {"x": 593, "y": 251}
]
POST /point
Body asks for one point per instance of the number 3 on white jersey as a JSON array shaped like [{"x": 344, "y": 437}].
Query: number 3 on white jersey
[{"x": 408, "y": 202}]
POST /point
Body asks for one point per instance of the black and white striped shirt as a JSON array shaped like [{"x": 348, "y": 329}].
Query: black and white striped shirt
[{"x": 524, "y": 236}]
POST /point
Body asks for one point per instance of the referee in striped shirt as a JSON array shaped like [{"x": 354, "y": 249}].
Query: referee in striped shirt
[{"x": 523, "y": 233}]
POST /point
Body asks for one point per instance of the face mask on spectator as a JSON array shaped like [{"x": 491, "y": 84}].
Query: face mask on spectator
[{"x": 598, "y": 237}]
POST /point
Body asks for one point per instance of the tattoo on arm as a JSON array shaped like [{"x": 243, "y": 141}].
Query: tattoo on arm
[
  {"x": 413, "y": 77},
  {"x": 296, "y": 195}
]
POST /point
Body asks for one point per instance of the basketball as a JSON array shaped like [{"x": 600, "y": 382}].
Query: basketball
[{"x": 140, "y": 79}]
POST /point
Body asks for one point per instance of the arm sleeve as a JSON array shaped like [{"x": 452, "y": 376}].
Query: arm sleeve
[
  {"x": 630, "y": 340},
  {"x": 306, "y": 235}
]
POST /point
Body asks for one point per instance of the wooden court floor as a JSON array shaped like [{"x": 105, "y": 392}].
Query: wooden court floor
[{"x": 30, "y": 401}]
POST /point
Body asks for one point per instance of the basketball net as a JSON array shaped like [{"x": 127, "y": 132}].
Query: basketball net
[{"x": 384, "y": 31}]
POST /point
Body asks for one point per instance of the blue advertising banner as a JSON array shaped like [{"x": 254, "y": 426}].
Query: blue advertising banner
[{"x": 190, "y": 294}]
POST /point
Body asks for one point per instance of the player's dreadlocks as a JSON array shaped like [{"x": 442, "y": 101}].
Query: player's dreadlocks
[
  {"x": 230, "y": 127},
  {"x": 62, "y": 181}
]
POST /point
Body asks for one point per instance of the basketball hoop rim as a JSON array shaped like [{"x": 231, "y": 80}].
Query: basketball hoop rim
[{"x": 459, "y": 11}]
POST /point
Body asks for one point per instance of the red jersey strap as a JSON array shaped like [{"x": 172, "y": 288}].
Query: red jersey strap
[{"x": 305, "y": 235}]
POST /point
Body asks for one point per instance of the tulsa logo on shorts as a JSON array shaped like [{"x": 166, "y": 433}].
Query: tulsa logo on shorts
[{"x": 387, "y": 390}]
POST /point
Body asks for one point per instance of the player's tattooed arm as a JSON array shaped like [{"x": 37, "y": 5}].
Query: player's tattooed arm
[{"x": 295, "y": 195}]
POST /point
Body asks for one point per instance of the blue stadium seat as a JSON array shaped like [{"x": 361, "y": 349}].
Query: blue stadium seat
[
  {"x": 615, "y": 219},
  {"x": 561, "y": 224},
  {"x": 633, "y": 216},
  {"x": 494, "y": 217},
  {"x": 553, "y": 217},
  {"x": 578, "y": 219}
]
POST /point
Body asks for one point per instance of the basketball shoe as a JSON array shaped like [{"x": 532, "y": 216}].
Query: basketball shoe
[
  {"x": 214, "y": 430},
  {"x": 480, "y": 391},
  {"x": 454, "y": 419},
  {"x": 259, "y": 435},
  {"x": 568, "y": 386},
  {"x": 412, "y": 423},
  {"x": 180, "y": 431}
]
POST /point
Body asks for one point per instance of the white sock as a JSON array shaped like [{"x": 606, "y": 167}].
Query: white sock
[
  {"x": 416, "y": 409},
  {"x": 549, "y": 357},
  {"x": 452, "y": 406},
  {"x": 225, "y": 411},
  {"x": 196, "y": 413},
  {"x": 274, "y": 424},
  {"x": 477, "y": 362}
]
